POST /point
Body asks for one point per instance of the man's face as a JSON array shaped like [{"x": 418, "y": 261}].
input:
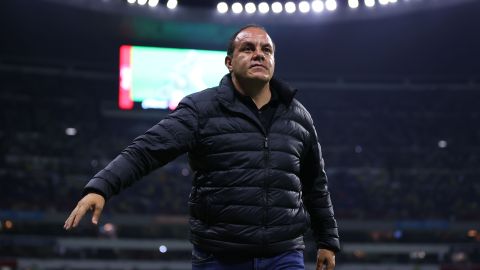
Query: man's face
[{"x": 253, "y": 56}]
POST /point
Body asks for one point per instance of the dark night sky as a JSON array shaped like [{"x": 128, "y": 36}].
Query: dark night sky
[{"x": 437, "y": 43}]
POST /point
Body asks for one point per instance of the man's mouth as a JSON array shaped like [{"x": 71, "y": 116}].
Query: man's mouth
[{"x": 258, "y": 65}]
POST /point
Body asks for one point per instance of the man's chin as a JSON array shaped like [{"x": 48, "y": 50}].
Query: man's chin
[{"x": 260, "y": 77}]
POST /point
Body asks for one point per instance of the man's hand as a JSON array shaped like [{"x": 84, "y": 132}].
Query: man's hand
[
  {"x": 325, "y": 259},
  {"x": 91, "y": 201}
]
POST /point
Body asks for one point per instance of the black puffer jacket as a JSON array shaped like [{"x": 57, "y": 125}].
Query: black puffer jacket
[{"x": 254, "y": 191}]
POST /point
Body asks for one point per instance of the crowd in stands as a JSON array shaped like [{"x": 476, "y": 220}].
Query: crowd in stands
[{"x": 390, "y": 154}]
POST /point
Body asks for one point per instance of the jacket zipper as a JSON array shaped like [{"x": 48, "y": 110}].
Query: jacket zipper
[{"x": 265, "y": 188}]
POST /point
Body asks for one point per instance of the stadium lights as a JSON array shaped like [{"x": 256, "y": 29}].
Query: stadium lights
[
  {"x": 263, "y": 7},
  {"x": 162, "y": 249},
  {"x": 172, "y": 4},
  {"x": 370, "y": 3},
  {"x": 290, "y": 7},
  {"x": 222, "y": 7},
  {"x": 383, "y": 2},
  {"x": 153, "y": 3},
  {"x": 331, "y": 5},
  {"x": 277, "y": 7},
  {"x": 304, "y": 6},
  {"x": 250, "y": 8},
  {"x": 71, "y": 131},
  {"x": 353, "y": 3},
  {"x": 237, "y": 8},
  {"x": 317, "y": 6},
  {"x": 442, "y": 144}
]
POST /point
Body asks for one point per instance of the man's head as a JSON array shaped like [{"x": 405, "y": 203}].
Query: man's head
[{"x": 250, "y": 55}]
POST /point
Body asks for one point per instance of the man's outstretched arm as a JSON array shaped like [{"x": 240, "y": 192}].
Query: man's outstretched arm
[{"x": 171, "y": 137}]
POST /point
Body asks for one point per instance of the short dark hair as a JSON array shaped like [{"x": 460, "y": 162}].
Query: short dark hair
[{"x": 231, "y": 42}]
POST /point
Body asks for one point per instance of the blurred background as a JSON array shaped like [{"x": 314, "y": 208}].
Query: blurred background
[{"x": 393, "y": 87}]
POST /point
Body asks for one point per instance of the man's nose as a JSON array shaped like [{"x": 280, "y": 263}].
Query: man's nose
[{"x": 259, "y": 54}]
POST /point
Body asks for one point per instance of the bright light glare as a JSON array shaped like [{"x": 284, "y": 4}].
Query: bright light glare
[
  {"x": 142, "y": 2},
  {"x": 353, "y": 3},
  {"x": 162, "y": 249},
  {"x": 109, "y": 227},
  {"x": 370, "y": 3},
  {"x": 131, "y": 1},
  {"x": 304, "y": 7},
  {"x": 393, "y": 1},
  {"x": 250, "y": 7},
  {"x": 317, "y": 6},
  {"x": 290, "y": 7},
  {"x": 237, "y": 8},
  {"x": 383, "y": 2},
  {"x": 222, "y": 7},
  {"x": 331, "y": 5},
  {"x": 263, "y": 7},
  {"x": 153, "y": 3},
  {"x": 171, "y": 4},
  {"x": 8, "y": 224},
  {"x": 418, "y": 254},
  {"x": 277, "y": 7},
  {"x": 71, "y": 131},
  {"x": 442, "y": 144}
]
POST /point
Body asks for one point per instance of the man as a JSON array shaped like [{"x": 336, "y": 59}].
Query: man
[{"x": 259, "y": 179}]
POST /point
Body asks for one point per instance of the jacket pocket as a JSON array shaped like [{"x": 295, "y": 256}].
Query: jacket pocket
[
  {"x": 199, "y": 209},
  {"x": 306, "y": 216},
  {"x": 200, "y": 256}
]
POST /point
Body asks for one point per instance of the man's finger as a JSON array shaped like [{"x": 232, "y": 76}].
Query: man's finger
[
  {"x": 68, "y": 222},
  {"x": 320, "y": 263},
  {"x": 331, "y": 263},
  {"x": 96, "y": 214},
  {"x": 79, "y": 215}
]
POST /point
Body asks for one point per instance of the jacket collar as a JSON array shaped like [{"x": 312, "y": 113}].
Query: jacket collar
[{"x": 225, "y": 90}]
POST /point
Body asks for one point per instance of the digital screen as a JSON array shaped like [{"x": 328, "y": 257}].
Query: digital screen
[{"x": 158, "y": 78}]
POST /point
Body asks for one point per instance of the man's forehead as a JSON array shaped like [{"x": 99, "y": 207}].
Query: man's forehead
[{"x": 253, "y": 35}]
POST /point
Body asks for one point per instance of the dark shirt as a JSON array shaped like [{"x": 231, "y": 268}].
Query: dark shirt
[{"x": 264, "y": 114}]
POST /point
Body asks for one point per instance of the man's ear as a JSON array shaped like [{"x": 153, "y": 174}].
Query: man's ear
[{"x": 228, "y": 62}]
